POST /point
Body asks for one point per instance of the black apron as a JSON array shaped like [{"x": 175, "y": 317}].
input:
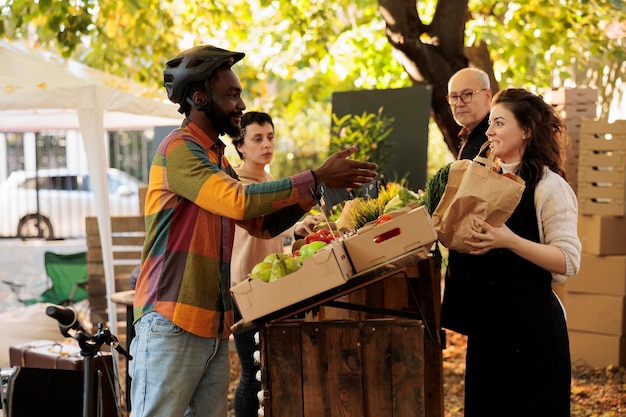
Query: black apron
[{"x": 518, "y": 361}]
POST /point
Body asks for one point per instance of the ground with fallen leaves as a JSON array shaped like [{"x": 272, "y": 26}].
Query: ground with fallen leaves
[{"x": 596, "y": 392}]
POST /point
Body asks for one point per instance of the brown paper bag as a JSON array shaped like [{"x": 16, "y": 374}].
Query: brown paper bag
[{"x": 474, "y": 187}]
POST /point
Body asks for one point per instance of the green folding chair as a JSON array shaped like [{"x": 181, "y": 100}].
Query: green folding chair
[{"x": 68, "y": 280}]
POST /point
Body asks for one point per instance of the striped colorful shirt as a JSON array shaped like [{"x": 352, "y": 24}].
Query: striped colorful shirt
[{"x": 192, "y": 203}]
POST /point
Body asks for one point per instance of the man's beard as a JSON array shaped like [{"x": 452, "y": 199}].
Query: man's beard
[{"x": 221, "y": 121}]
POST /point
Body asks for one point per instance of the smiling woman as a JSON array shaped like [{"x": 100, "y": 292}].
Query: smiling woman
[{"x": 514, "y": 317}]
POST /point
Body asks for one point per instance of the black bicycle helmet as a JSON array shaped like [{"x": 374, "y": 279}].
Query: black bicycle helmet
[{"x": 192, "y": 65}]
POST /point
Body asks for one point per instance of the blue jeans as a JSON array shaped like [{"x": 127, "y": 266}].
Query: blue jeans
[
  {"x": 175, "y": 373},
  {"x": 246, "y": 401}
]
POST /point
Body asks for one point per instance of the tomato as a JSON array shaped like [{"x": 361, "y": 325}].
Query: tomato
[
  {"x": 295, "y": 253},
  {"x": 331, "y": 237},
  {"x": 327, "y": 236},
  {"x": 383, "y": 218},
  {"x": 314, "y": 236}
]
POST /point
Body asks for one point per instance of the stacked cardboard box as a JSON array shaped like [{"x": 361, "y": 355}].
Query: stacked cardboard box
[
  {"x": 601, "y": 168},
  {"x": 595, "y": 299},
  {"x": 573, "y": 105}
]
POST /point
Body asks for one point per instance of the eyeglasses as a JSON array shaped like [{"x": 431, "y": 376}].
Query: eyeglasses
[{"x": 466, "y": 98}]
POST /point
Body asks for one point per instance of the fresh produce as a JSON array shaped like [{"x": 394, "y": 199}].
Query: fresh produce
[
  {"x": 364, "y": 211},
  {"x": 314, "y": 237},
  {"x": 261, "y": 271},
  {"x": 391, "y": 197},
  {"x": 322, "y": 235},
  {"x": 383, "y": 218},
  {"x": 293, "y": 264},
  {"x": 308, "y": 249},
  {"x": 435, "y": 187},
  {"x": 277, "y": 265},
  {"x": 279, "y": 269},
  {"x": 274, "y": 266},
  {"x": 297, "y": 244},
  {"x": 402, "y": 199},
  {"x": 274, "y": 256}
]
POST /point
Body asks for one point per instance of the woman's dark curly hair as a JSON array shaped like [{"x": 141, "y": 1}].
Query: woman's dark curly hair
[{"x": 548, "y": 136}]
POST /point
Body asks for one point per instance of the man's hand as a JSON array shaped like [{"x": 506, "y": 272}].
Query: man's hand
[{"x": 340, "y": 172}]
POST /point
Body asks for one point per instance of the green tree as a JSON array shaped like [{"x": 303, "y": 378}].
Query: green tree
[
  {"x": 577, "y": 43},
  {"x": 518, "y": 43},
  {"x": 300, "y": 51}
]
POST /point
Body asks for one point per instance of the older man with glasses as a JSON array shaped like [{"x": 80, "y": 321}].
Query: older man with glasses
[{"x": 469, "y": 96}]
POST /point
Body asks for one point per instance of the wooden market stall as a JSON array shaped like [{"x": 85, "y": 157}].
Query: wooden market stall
[{"x": 383, "y": 358}]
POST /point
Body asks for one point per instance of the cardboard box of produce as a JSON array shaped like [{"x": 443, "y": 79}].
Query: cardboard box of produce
[
  {"x": 409, "y": 229},
  {"x": 326, "y": 269}
]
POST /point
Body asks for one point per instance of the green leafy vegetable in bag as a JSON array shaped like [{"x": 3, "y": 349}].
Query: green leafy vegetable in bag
[{"x": 435, "y": 186}]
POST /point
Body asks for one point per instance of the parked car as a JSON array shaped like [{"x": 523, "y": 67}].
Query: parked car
[{"x": 53, "y": 203}]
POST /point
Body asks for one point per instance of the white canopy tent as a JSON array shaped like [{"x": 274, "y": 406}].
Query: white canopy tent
[{"x": 40, "y": 91}]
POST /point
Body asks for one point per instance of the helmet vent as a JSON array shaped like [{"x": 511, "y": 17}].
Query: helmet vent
[
  {"x": 174, "y": 63},
  {"x": 195, "y": 62}
]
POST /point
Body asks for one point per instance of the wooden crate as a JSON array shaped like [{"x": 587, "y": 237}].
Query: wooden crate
[
  {"x": 371, "y": 368},
  {"x": 571, "y": 172},
  {"x": 576, "y": 111},
  {"x": 602, "y": 168},
  {"x": 563, "y": 95},
  {"x": 602, "y": 128},
  {"x": 573, "y": 128},
  {"x": 128, "y": 235},
  {"x": 573, "y": 105}
]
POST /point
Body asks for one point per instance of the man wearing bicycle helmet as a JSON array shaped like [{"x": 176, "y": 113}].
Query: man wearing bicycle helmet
[{"x": 182, "y": 304}]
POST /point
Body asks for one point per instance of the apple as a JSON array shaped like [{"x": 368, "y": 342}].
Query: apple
[
  {"x": 315, "y": 237},
  {"x": 309, "y": 249}
]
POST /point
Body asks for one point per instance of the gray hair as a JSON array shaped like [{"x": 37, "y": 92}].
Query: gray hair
[{"x": 478, "y": 73}]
